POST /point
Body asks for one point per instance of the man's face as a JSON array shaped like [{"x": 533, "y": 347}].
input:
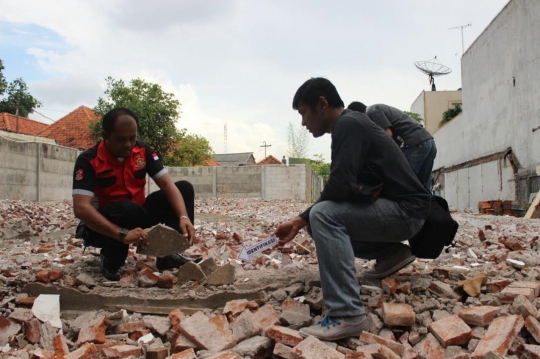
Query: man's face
[
  {"x": 313, "y": 118},
  {"x": 122, "y": 139}
]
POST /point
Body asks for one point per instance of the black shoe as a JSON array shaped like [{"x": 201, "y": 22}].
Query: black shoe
[
  {"x": 110, "y": 273},
  {"x": 399, "y": 259},
  {"x": 174, "y": 261}
]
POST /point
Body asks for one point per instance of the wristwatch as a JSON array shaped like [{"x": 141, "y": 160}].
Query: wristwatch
[{"x": 122, "y": 234}]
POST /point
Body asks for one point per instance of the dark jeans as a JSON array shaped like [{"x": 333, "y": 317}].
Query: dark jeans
[
  {"x": 421, "y": 159},
  {"x": 130, "y": 215}
]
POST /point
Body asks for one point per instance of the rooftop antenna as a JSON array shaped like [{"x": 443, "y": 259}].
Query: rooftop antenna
[
  {"x": 462, "y": 42},
  {"x": 432, "y": 68}
]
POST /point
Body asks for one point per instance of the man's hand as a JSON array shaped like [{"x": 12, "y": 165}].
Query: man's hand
[
  {"x": 288, "y": 230},
  {"x": 138, "y": 237},
  {"x": 187, "y": 229}
]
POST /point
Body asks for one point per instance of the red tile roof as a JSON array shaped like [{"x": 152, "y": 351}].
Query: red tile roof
[
  {"x": 210, "y": 162},
  {"x": 73, "y": 130},
  {"x": 8, "y": 122},
  {"x": 269, "y": 160}
]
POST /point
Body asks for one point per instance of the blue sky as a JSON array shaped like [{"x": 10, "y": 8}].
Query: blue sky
[{"x": 235, "y": 61}]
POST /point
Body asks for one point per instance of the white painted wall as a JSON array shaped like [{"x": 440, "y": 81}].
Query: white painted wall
[{"x": 496, "y": 114}]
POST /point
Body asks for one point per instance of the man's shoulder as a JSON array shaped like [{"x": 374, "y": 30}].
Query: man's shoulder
[{"x": 89, "y": 153}]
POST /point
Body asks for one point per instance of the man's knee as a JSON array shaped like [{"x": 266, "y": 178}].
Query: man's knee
[
  {"x": 124, "y": 213},
  {"x": 318, "y": 213},
  {"x": 185, "y": 188}
]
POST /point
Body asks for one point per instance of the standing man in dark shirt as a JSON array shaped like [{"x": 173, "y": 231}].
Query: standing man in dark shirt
[
  {"x": 109, "y": 182},
  {"x": 344, "y": 222},
  {"x": 418, "y": 145}
]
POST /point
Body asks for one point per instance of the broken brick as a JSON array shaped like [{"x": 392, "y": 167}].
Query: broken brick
[
  {"x": 523, "y": 307},
  {"x": 451, "y": 330},
  {"x": 60, "y": 346},
  {"x": 430, "y": 347},
  {"x": 83, "y": 352},
  {"x": 245, "y": 326},
  {"x": 7, "y": 329},
  {"x": 283, "y": 351},
  {"x": 398, "y": 314},
  {"x": 313, "y": 348},
  {"x": 32, "y": 331},
  {"x": 55, "y": 275},
  {"x": 185, "y": 354},
  {"x": 176, "y": 316},
  {"x": 533, "y": 327},
  {"x": 130, "y": 327},
  {"x": 389, "y": 286},
  {"x": 235, "y": 307},
  {"x": 121, "y": 351},
  {"x": 370, "y": 338},
  {"x": 182, "y": 343},
  {"x": 266, "y": 316},
  {"x": 479, "y": 316},
  {"x": 42, "y": 276},
  {"x": 500, "y": 336},
  {"x": 208, "y": 333},
  {"x": 284, "y": 335}
]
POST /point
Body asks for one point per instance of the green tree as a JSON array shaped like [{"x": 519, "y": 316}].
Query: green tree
[
  {"x": 298, "y": 141},
  {"x": 320, "y": 167},
  {"x": 157, "y": 110},
  {"x": 18, "y": 100},
  {"x": 95, "y": 129},
  {"x": 414, "y": 115},
  {"x": 191, "y": 150},
  {"x": 449, "y": 114},
  {"x": 3, "y": 83}
]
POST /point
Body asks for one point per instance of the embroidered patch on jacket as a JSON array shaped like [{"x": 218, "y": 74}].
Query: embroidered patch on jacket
[
  {"x": 140, "y": 162},
  {"x": 155, "y": 156},
  {"x": 79, "y": 174}
]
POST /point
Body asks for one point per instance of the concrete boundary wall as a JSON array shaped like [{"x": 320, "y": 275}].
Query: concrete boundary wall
[{"x": 36, "y": 171}]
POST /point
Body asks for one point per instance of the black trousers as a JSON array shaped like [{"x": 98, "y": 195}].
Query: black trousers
[{"x": 130, "y": 215}]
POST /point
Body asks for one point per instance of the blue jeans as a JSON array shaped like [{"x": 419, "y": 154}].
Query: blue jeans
[
  {"x": 343, "y": 231},
  {"x": 421, "y": 159}
]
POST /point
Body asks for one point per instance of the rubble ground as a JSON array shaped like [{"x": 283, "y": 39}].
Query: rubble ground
[{"x": 479, "y": 299}]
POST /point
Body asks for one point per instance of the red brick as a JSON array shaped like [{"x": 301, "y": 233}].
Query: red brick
[
  {"x": 176, "y": 316},
  {"x": 166, "y": 281},
  {"x": 55, "y": 274},
  {"x": 404, "y": 288},
  {"x": 385, "y": 353},
  {"x": 523, "y": 307},
  {"x": 42, "y": 354},
  {"x": 398, "y": 314},
  {"x": 284, "y": 335},
  {"x": 479, "y": 316},
  {"x": 42, "y": 276},
  {"x": 94, "y": 335},
  {"x": 295, "y": 306},
  {"x": 533, "y": 326},
  {"x": 496, "y": 286},
  {"x": 228, "y": 355},
  {"x": 7, "y": 329},
  {"x": 375, "y": 339},
  {"x": 389, "y": 285},
  {"x": 283, "y": 351},
  {"x": 60, "y": 346},
  {"x": 208, "y": 333},
  {"x": 130, "y": 327},
  {"x": 358, "y": 355},
  {"x": 451, "y": 330},
  {"x": 312, "y": 348},
  {"x": 235, "y": 307},
  {"x": 27, "y": 301},
  {"x": 83, "y": 352},
  {"x": 186, "y": 354},
  {"x": 527, "y": 351},
  {"x": 245, "y": 326},
  {"x": 430, "y": 348},
  {"x": 411, "y": 354},
  {"x": 32, "y": 331},
  {"x": 121, "y": 351},
  {"x": 266, "y": 316},
  {"x": 509, "y": 293},
  {"x": 182, "y": 343},
  {"x": 499, "y": 336}
]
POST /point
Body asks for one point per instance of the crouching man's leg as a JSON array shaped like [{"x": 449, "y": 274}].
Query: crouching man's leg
[
  {"x": 125, "y": 214},
  {"x": 345, "y": 316},
  {"x": 161, "y": 212}
]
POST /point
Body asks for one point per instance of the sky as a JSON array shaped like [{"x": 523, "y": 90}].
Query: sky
[{"x": 236, "y": 62}]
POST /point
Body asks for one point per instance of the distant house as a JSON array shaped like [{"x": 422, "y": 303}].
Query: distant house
[
  {"x": 22, "y": 125},
  {"x": 235, "y": 159},
  {"x": 269, "y": 160},
  {"x": 210, "y": 163},
  {"x": 73, "y": 129}
]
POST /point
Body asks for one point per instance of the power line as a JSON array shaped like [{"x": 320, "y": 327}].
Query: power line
[{"x": 48, "y": 118}]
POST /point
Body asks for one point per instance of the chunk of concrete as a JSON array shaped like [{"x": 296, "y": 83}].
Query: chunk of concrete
[
  {"x": 208, "y": 266},
  {"x": 163, "y": 241},
  {"x": 190, "y": 272},
  {"x": 222, "y": 276},
  {"x": 208, "y": 333}
]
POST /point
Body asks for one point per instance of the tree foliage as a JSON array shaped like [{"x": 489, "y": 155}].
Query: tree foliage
[
  {"x": 158, "y": 111},
  {"x": 414, "y": 116},
  {"x": 298, "y": 141},
  {"x": 191, "y": 150},
  {"x": 449, "y": 114},
  {"x": 3, "y": 83},
  {"x": 320, "y": 167},
  {"x": 17, "y": 98}
]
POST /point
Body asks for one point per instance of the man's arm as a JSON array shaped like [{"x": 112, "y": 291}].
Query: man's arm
[{"x": 85, "y": 211}]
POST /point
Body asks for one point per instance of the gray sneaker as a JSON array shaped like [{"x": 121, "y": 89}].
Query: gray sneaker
[{"x": 332, "y": 328}]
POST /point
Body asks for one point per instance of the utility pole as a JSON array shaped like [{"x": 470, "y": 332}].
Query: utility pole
[
  {"x": 265, "y": 145},
  {"x": 462, "y": 42}
]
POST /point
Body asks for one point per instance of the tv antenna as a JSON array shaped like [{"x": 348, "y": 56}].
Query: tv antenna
[
  {"x": 432, "y": 68},
  {"x": 265, "y": 145},
  {"x": 462, "y": 42}
]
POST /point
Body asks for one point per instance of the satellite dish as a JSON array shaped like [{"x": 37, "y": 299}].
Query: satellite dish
[{"x": 432, "y": 68}]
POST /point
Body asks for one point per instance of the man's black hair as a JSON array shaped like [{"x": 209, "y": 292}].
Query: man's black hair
[
  {"x": 310, "y": 92},
  {"x": 357, "y": 106},
  {"x": 109, "y": 120}
]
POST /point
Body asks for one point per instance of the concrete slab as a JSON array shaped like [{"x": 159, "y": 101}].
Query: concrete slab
[{"x": 163, "y": 241}]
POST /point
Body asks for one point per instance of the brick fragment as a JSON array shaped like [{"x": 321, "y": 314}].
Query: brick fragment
[
  {"x": 94, "y": 335},
  {"x": 32, "y": 331},
  {"x": 530, "y": 290},
  {"x": 21, "y": 315},
  {"x": 533, "y": 326},
  {"x": 223, "y": 275},
  {"x": 358, "y": 355},
  {"x": 404, "y": 288},
  {"x": 190, "y": 272},
  {"x": 121, "y": 351},
  {"x": 430, "y": 348},
  {"x": 235, "y": 307},
  {"x": 385, "y": 353},
  {"x": 60, "y": 346},
  {"x": 411, "y": 354},
  {"x": 255, "y": 347},
  {"x": 294, "y": 305},
  {"x": 166, "y": 281},
  {"x": 443, "y": 290},
  {"x": 245, "y": 326},
  {"x": 283, "y": 351},
  {"x": 523, "y": 307},
  {"x": 389, "y": 285},
  {"x": 499, "y": 336},
  {"x": 157, "y": 353},
  {"x": 129, "y": 327},
  {"x": 42, "y": 276},
  {"x": 495, "y": 286},
  {"x": 451, "y": 330},
  {"x": 528, "y": 351},
  {"x": 313, "y": 348},
  {"x": 176, "y": 316},
  {"x": 42, "y": 354},
  {"x": 55, "y": 275},
  {"x": 284, "y": 335},
  {"x": 479, "y": 316},
  {"x": 266, "y": 316},
  {"x": 370, "y": 338},
  {"x": 208, "y": 333},
  {"x": 182, "y": 343},
  {"x": 398, "y": 314},
  {"x": 7, "y": 329},
  {"x": 186, "y": 354},
  {"x": 83, "y": 352}
]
